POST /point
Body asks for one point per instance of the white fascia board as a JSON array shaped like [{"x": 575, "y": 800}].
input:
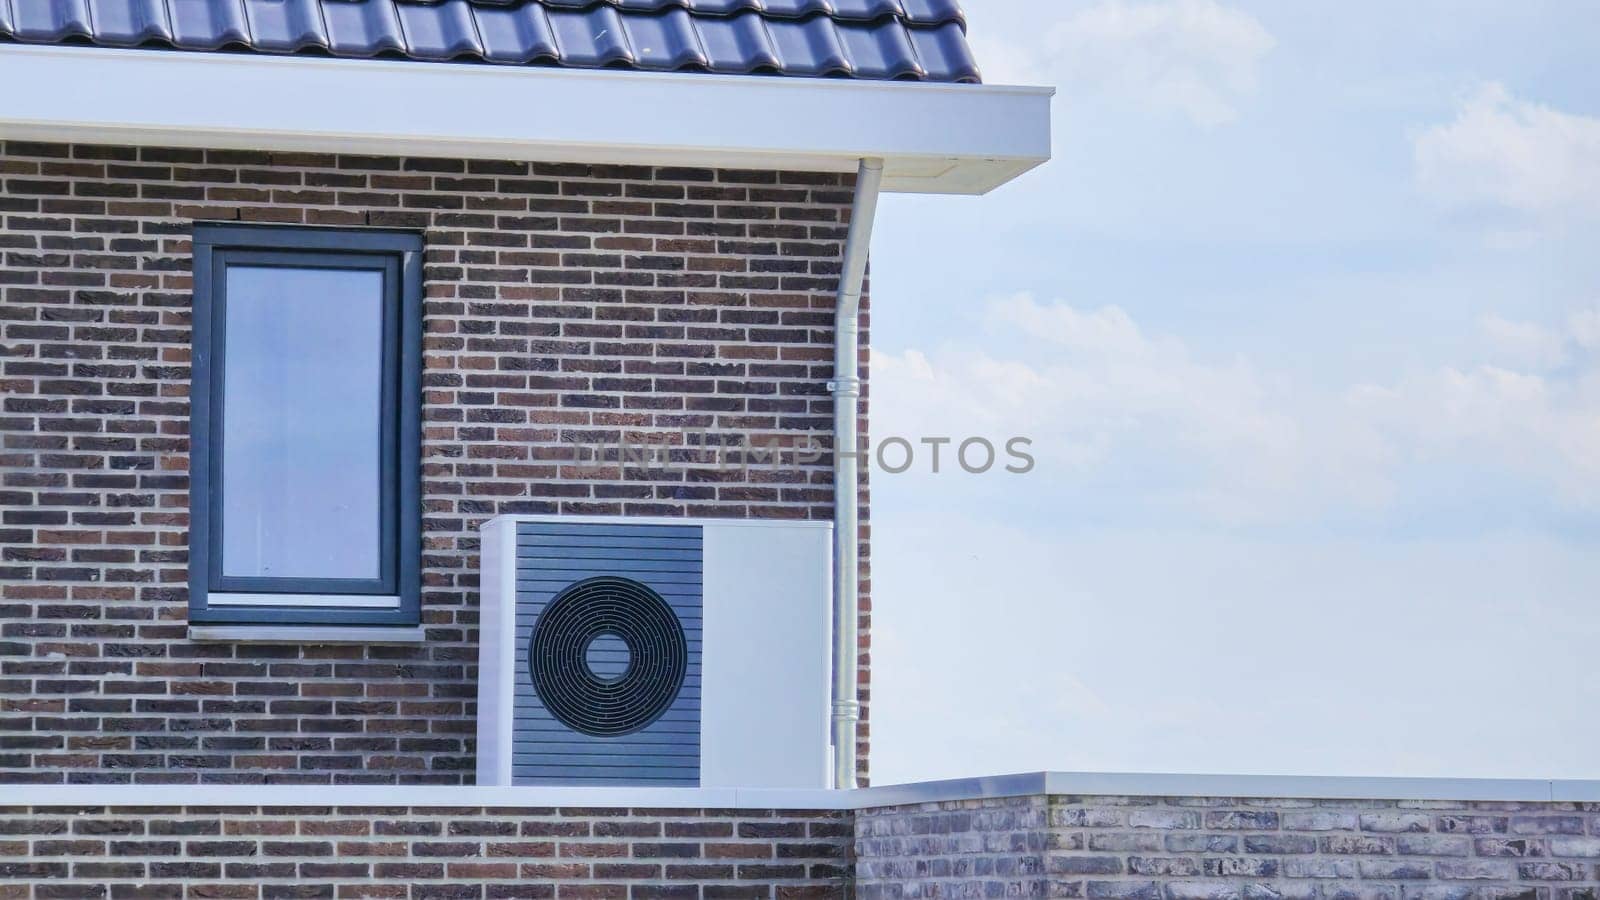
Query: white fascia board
[{"x": 933, "y": 138}]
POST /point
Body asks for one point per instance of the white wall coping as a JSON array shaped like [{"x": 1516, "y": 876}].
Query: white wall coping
[
  {"x": 1119, "y": 784},
  {"x": 933, "y": 138}
]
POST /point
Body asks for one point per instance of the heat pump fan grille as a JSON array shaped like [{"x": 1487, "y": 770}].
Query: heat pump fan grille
[{"x": 597, "y": 609}]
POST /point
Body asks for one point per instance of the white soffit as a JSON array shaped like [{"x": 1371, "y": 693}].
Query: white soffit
[{"x": 933, "y": 138}]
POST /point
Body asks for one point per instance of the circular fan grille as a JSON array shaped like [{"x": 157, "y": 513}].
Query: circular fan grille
[{"x": 600, "y": 610}]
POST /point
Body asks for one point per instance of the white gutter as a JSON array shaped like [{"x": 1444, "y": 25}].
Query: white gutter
[
  {"x": 846, "y": 390},
  {"x": 933, "y": 138}
]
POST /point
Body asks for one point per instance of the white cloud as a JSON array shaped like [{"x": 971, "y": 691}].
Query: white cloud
[
  {"x": 1094, "y": 391},
  {"x": 1196, "y": 58},
  {"x": 1000, "y": 647},
  {"x": 1509, "y": 157},
  {"x": 1224, "y": 442},
  {"x": 1529, "y": 345},
  {"x": 1543, "y": 426},
  {"x": 1148, "y": 642},
  {"x": 1525, "y": 343}
]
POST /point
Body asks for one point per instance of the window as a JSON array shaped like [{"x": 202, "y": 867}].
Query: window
[{"x": 305, "y": 432}]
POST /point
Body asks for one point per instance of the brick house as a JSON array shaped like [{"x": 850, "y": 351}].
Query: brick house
[
  {"x": 554, "y": 284},
  {"x": 345, "y": 345}
]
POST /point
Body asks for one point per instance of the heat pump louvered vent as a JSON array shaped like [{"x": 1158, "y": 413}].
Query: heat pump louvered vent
[
  {"x": 609, "y": 620},
  {"x": 653, "y": 652},
  {"x": 608, "y": 656}
]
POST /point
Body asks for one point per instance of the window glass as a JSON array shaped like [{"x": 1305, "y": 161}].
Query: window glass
[{"x": 301, "y": 463}]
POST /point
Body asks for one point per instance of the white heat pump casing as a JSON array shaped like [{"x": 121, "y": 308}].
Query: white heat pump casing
[{"x": 764, "y": 658}]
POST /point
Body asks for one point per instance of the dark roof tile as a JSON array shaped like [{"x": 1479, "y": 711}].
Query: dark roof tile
[
  {"x": 879, "y": 39},
  {"x": 286, "y": 26},
  {"x": 363, "y": 29},
  {"x": 516, "y": 34},
  {"x": 208, "y": 24},
  {"x": 667, "y": 41},
  {"x": 440, "y": 32},
  {"x": 593, "y": 37},
  {"x": 809, "y": 46},
  {"x": 944, "y": 53},
  {"x": 934, "y": 12},
  {"x": 867, "y": 10},
  {"x": 880, "y": 51},
  {"x": 739, "y": 44},
  {"x": 129, "y": 23},
  {"x": 51, "y": 20}
]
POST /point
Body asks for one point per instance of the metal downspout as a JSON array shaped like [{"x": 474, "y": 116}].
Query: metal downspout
[{"x": 846, "y": 389}]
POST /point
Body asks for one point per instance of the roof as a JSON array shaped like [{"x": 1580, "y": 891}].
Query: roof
[{"x": 916, "y": 40}]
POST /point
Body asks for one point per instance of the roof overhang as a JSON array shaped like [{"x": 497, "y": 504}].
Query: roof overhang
[{"x": 933, "y": 138}]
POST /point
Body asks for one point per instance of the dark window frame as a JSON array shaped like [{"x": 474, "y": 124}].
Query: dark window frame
[{"x": 398, "y": 256}]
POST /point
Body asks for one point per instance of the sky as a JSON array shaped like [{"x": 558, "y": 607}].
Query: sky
[{"x": 1303, "y": 322}]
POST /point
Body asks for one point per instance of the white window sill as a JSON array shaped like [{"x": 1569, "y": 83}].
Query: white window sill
[
  {"x": 335, "y": 601},
  {"x": 308, "y": 634}
]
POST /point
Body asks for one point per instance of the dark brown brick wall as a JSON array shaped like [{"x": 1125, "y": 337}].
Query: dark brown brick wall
[
  {"x": 566, "y": 305},
  {"x": 398, "y": 852}
]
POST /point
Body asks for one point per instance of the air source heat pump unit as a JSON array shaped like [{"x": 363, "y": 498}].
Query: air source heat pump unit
[{"x": 667, "y": 652}]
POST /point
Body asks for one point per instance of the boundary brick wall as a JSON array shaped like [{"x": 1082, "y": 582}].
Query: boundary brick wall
[
  {"x": 565, "y": 305},
  {"x": 244, "y": 853},
  {"x": 1090, "y": 848},
  {"x": 1144, "y": 848}
]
